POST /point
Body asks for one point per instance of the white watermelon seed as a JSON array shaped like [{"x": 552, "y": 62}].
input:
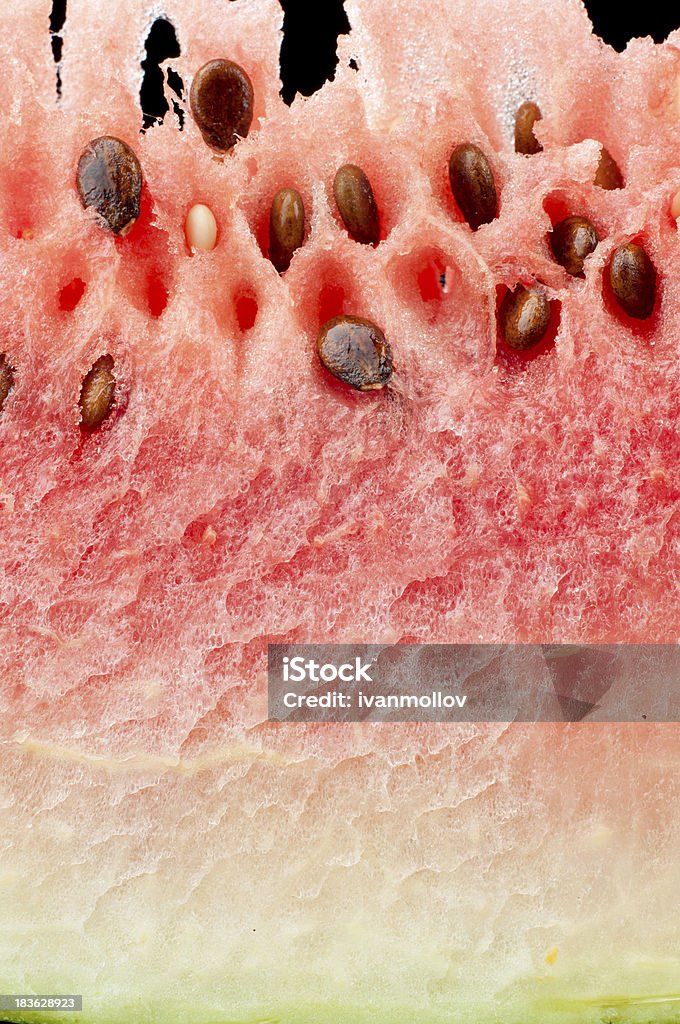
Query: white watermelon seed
[
  {"x": 675, "y": 206},
  {"x": 200, "y": 228}
]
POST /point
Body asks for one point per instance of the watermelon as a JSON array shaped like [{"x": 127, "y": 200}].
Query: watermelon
[{"x": 183, "y": 482}]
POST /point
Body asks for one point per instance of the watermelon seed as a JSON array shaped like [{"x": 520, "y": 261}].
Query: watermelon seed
[
  {"x": 633, "y": 280},
  {"x": 473, "y": 186},
  {"x": 572, "y": 241},
  {"x": 356, "y": 204},
  {"x": 525, "y": 118},
  {"x": 109, "y": 181},
  {"x": 608, "y": 175},
  {"x": 286, "y": 227},
  {"x": 356, "y": 352},
  {"x": 524, "y": 317},
  {"x": 97, "y": 393},
  {"x": 6, "y": 379},
  {"x": 675, "y": 206},
  {"x": 221, "y": 100},
  {"x": 200, "y": 228}
]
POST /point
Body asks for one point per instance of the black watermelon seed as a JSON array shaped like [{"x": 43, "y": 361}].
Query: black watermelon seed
[
  {"x": 608, "y": 175},
  {"x": 572, "y": 241},
  {"x": 6, "y": 379},
  {"x": 524, "y": 317},
  {"x": 356, "y": 352},
  {"x": 221, "y": 100},
  {"x": 356, "y": 204},
  {"x": 525, "y": 118},
  {"x": 633, "y": 280},
  {"x": 473, "y": 185},
  {"x": 109, "y": 181},
  {"x": 97, "y": 393},
  {"x": 286, "y": 227}
]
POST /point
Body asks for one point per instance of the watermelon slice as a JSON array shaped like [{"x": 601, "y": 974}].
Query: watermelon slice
[{"x": 167, "y": 852}]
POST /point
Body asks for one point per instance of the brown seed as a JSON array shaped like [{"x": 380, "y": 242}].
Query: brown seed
[
  {"x": 524, "y": 317},
  {"x": 525, "y": 118},
  {"x": 221, "y": 100},
  {"x": 97, "y": 393},
  {"x": 356, "y": 204},
  {"x": 608, "y": 174},
  {"x": 633, "y": 280},
  {"x": 6, "y": 379},
  {"x": 473, "y": 185},
  {"x": 286, "y": 227},
  {"x": 109, "y": 180},
  {"x": 572, "y": 240},
  {"x": 356, "y": 352}
]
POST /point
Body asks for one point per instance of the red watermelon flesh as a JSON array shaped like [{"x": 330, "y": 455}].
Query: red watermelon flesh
[{"x": 167, "y": 852}]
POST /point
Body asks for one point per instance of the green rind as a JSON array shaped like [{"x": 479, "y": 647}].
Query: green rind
[{"x": 647, "y": 1010}]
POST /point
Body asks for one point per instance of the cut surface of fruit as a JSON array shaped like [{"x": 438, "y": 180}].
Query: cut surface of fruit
[{"x": 167, "y": 852}]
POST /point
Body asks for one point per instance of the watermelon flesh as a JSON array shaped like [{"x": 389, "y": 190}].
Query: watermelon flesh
[{"x": 167, "y": 852}]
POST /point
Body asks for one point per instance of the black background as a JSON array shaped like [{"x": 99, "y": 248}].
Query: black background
[{"x": 311, "y": 28}]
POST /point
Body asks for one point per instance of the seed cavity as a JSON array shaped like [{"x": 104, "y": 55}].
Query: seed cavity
[
  {"x": 633, "y": 280},
  {"x": 109, "y": 181},
  {"x": 221, "y": 100},
  {"x": 6, "y": 379},
  {"x": 356, "y": 352},
  {"x": 356, "y": 204},
  {"x": 200, "y": 229},
  {"x": 525, "y": 119},
  {"x": 246, "y": 308},
  {"x": 572, "y": 241},
  {"x": 608, "y": 175},
  {"x": 70, "y": 295},
  {"x": 97, "y": 393},
  {"x": 286, "y": 227},
  {"x": 524, "y": 317},
  {"x": 473, "y": 185}
]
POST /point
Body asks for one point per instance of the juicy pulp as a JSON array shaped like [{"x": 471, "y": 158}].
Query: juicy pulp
[{"x": 166, "y": 851}]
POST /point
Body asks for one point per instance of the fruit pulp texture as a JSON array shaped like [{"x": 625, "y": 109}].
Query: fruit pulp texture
[{"x": 185, "y": 858}]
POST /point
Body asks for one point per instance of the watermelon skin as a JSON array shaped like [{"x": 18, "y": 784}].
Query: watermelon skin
[{"x": 167, "y": 852}]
